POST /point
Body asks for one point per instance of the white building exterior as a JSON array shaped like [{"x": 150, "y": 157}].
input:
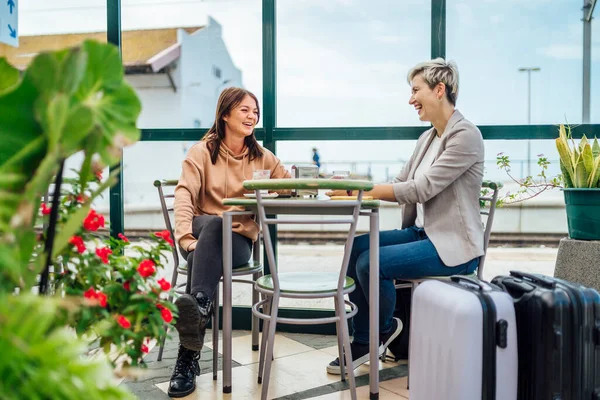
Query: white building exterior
[{"x": 200, "y": 67}]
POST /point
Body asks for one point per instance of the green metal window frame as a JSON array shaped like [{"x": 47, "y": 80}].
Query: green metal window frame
[{"x": 270, "y": 134}]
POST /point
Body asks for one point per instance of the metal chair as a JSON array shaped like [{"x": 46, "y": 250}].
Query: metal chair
[
  {"x": 253, "y": 267},
  {"x": 489, "y": 212},
  {"x": 305, "y": 285}
]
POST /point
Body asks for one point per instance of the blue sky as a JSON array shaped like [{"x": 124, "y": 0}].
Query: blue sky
[{"x": 344, "y": 62}]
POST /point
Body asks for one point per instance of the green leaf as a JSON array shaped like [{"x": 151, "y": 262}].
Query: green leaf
[
  {"x": 113, "y": 103},
  {"x": 54, "y": 119},
  {"x": 72, "y": 70},
  {"x": 581, "y": 175},
  {"x": 104, "y": 70},
  {"x": 77, "y": 128},
  {"x": 583, "y": 142},
  {"x": 11, "y": 268},
  {"x": 12, "y": 181},
  {"x": 41, "y": 179},
  {"x": 588, "y": 158},
  {"x": 18, "y": 129},
  {"x": 596, "y": 148},
  {"x": 16, "y": 162},
  {"x": 566, "y": 164},
  {"x": 594, "y": 179},
  {"x": 44, "y": 73},
  {"x": 9, "y": 76}
]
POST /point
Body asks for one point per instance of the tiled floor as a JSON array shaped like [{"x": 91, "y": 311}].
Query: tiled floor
[
  {"x": 300, "y": 360},
  {"x": 298, "y": 372}
]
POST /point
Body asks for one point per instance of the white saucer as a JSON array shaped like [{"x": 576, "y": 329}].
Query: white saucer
[{"x": 264, "y": 196}]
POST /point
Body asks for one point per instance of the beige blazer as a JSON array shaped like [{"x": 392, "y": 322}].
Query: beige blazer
[{"x": 449, "y": 191}]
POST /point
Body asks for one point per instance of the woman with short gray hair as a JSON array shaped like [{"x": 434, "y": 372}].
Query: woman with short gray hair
[
  {"x": 439, "y": 189},
  {"x": 438, "y": 71}
]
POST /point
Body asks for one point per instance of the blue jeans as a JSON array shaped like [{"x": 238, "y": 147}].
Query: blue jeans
[{"x": 406, "y": 253}]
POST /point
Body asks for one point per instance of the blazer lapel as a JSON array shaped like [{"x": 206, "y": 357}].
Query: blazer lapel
[
  {"x": 454, "y": 118},
  {"x": 421, "y": 153}
]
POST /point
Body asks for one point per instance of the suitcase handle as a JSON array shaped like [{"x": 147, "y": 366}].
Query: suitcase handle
[
  {"x": 462, "y": 278},
  {"x": 539, "y": 279},
  {"x": 523, "y": 287}
]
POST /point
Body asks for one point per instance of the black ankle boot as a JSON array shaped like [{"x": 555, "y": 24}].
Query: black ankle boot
[
  {"x": 194, "y": 314},
  {"x": 183, "y": 380}
]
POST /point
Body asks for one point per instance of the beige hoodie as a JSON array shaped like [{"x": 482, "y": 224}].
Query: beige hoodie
[{"x": 202, "y": 186}]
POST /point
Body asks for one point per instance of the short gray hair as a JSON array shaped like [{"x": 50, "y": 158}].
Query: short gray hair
[{"x": 436, "y": 71}]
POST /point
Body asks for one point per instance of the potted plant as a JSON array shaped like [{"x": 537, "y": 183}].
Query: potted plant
[
  {"x": 579, "y": 180},
  {"x": 580, "y": 167}
]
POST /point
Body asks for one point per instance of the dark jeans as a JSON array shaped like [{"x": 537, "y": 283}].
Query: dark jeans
[
  {"x": 205, "y": 262},
  {"x": 406, "y": 253}
]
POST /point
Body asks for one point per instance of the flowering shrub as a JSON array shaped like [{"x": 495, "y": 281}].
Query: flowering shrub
[
  {"x": 68, "y": 101},
  {"x": 125, "y": 300}
]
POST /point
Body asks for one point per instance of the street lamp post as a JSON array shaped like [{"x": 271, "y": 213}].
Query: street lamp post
[{"x": 529, "y": 70}]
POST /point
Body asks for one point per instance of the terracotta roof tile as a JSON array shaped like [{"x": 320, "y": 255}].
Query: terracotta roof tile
[{"x": 139, "y": 46}]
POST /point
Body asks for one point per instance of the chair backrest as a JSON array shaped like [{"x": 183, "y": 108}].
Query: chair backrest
[
  {"x": 349, "y": 208},
  {"x": 166, "y": 205},
  {"x": 488, "y": 207},
  {"x": 166, "y": 194}
]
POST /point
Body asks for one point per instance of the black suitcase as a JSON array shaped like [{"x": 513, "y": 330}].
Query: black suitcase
[{"x": 558, "y": 329}]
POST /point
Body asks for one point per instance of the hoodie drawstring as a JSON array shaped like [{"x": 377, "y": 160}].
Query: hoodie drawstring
[{"x": 225, "y": 152}]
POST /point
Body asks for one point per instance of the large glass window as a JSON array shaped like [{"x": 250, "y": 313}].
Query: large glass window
[
  {"x": 180, "y": 56},
  {"x": 344, "y": 63},
  {"x": 497, "y": 43}
]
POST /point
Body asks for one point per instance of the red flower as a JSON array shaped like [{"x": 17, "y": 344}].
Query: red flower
[
  {"x": 93, "y": 221},
  {"x": 103, "y": 253},
  {"x": 127, "y": 285},
  {"x": 146, "y": 268},
  {"x": 81, "y": 198},
  {"x": 77, "y": 241},
  {"x": 165, "y": 235},
  {"x": 96, "y": 295},
  {"x": 124, "y": 322},
  {"x": 123, "y": 237},
  {"x": 99, "y": 175},
  {"x": 164, "y": 285},
  {"x": 166, "y": 315},
  {"x": 45, "y": 209},
  {"x": 90, "y": 293},
  {"x": 145, "y": 349},
  {"x": 101, "y": 297}
]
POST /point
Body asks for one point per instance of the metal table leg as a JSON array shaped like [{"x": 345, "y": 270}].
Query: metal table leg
[
  {"x": 227, "y": 309},
  {"x": 374, "y": 305}
]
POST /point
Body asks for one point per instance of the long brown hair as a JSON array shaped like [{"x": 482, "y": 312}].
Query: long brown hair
[{"x": 228, "y": 100}]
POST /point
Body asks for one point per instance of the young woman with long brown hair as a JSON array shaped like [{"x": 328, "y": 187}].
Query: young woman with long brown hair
[{"x": 214, "y": 169}]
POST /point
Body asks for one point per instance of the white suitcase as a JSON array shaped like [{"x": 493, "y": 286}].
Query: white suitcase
[{"x": 463, "y": 342}]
